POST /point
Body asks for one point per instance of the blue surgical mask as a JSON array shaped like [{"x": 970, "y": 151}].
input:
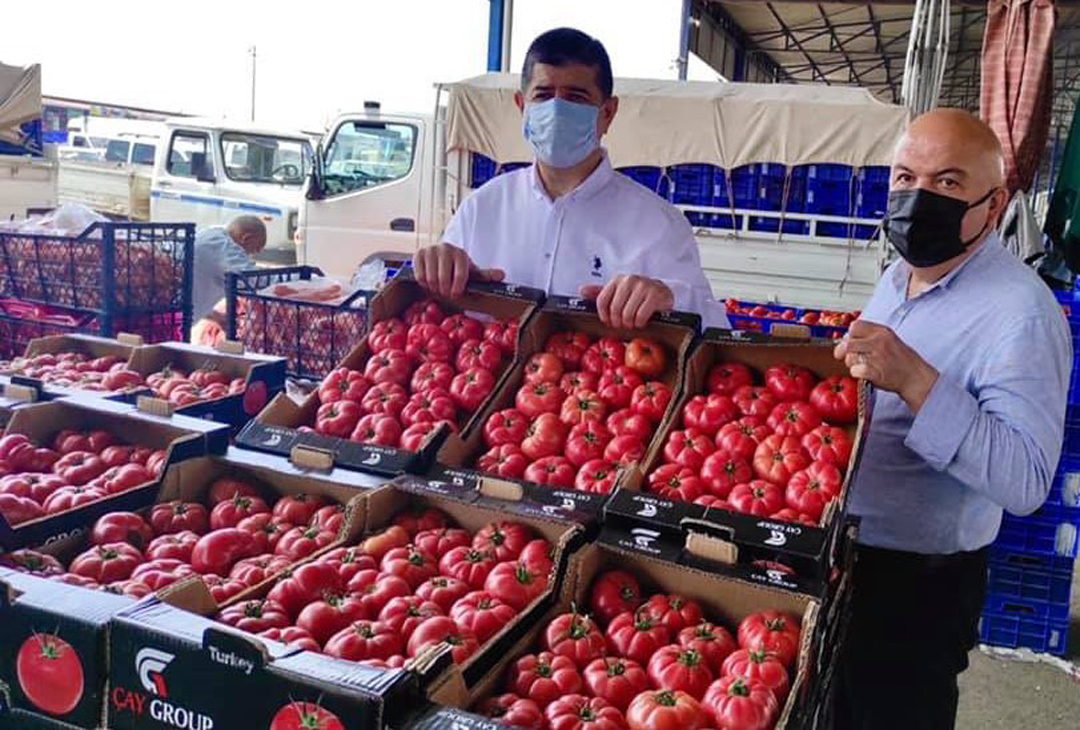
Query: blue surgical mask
[{"x": 562, "y": 133}]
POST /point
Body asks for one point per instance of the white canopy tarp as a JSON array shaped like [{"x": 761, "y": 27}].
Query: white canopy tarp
[
  {"x": 20, "y": 99},
  {"x": 665, "y": 123}
]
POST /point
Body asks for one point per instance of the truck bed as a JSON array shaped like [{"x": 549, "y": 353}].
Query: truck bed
[{"x": 118, "y": 191}]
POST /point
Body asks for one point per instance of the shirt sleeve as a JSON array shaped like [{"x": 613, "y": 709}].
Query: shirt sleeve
[
  {"x": 1005, "y": 440},
  {"x": 459, "y": 228},
  {"x": 678, "y": 260},
  {"x": 234, "y": 258}
]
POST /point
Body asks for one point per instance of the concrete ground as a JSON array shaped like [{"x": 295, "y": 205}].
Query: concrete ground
[{"x": 1004, "y": 694}]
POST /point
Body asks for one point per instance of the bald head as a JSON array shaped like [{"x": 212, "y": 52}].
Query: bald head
[{"x": 248, "y": 232}]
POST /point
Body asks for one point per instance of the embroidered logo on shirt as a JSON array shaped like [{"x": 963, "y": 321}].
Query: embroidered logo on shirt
[{"x": 597, "y": 267}]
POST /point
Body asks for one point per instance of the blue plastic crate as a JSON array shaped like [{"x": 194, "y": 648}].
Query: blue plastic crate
[
  {"x": 481, "y": 169},
  {"x": 872, "y": 198},
  {"x": 1050, "y": 531},
  {"x": 1065, "y": 489},
  {"x": 1001, "y": 555},
  {"x": 744, "y": 186},
  {"x": 1015, "y": 631},
  {"x": 692, "y": 184},
  {"x": 1048, "y": 593},
  {"x": 650, "y": 177}
]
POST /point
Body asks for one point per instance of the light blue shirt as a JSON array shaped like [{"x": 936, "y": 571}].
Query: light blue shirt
[
  {"x": 215, "y": 254},
  {"x": 989, "y": 434}
]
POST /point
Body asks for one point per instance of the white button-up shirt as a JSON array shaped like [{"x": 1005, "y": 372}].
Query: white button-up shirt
[{"x": 609, "y": 225}]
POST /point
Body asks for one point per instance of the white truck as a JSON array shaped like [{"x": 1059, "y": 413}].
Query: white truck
[
  {"x": 27, "y": 177},
  {"x": 117, "y": 184},
  {"x": 388, "y": 183}
]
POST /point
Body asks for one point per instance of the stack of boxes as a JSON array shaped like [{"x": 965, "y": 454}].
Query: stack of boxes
[{"x": 1031, "y": 563}]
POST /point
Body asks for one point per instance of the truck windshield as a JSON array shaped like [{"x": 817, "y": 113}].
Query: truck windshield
[
  {"x": 117, "y": 150},
  {"x": 363, "y": 154},
  {"x": 263, "y": 158}
]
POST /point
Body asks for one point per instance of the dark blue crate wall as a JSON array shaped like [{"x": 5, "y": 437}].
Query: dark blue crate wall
[
  {"x": 871, "y": 198},
  {"x": 482, "y": 169},
  {"x": 778, "y": 188},
  {"x": 650, "y": 177}
]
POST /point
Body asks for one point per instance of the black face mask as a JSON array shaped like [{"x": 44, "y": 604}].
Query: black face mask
[{"x": 924, "y": 226}]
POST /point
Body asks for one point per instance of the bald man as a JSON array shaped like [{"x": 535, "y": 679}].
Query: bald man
[
  {"x": 971, "y": 357},
  {"x": 219, "y": 250}
]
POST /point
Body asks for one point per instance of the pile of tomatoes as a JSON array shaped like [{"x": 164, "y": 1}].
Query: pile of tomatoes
[
  {"x": 779, "y": 450},
  {"x": 824, "y": 317},
  {"x": 75, "y": 469},
  {"x": 202, "y": 384},
  {"x": 648, "y": 663},
  {"x": 76, "y": 370},
  {"x": 425, "y": 369},
  {"x": 418, "y": 583},
  {"x": 585, "y": 409},
  {"x": 239, "y": 538}
]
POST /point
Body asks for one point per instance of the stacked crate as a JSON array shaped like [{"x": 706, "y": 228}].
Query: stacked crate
[{"x": 1031, "y": 563}]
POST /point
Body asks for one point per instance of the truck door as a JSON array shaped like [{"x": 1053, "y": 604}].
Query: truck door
[
  {"x": 184, "y": 189},
  {"x": 365, "y": 197}
]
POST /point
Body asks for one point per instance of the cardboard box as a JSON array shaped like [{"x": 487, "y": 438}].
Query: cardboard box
[
  {"x": 809, "y": 551},
  {"x": 725, "y": 600},
  {"x": 93, "y": 347},
  {"x": 183, "y": 438},
  {"x": 457, "y": 456},
  {"x": 275, "y": 429},
  {"x": 78, "y": 631},
  {"x": 264, "y": 376}
]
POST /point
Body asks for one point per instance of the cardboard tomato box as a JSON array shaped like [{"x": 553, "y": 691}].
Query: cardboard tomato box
[
  {"x": 182, "y": 438},
  {"x": 685, "y": 570},
  {"x": 263, "y": 375},
  {"x": 808, "y": 551},
  {"x": 456, "y": 459},
  {"x": 122, "y": 348},
  {"x": 277, "y": 428}
]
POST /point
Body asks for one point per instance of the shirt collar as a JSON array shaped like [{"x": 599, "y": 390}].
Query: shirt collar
[
  {"x": 588, "y": 187},
  {"x": 902, "y": 272}
]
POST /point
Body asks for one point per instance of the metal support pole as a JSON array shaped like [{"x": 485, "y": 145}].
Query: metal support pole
[
  {"x": 496, "y": 22},
  {"x": 684, "y": 39},
  {"x": 507, "y": 31}
]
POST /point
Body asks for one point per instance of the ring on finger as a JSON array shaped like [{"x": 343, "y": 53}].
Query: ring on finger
[{"x": 862, "y": 358}]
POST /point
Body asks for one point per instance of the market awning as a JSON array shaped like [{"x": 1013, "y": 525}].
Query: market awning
[
  {"x": 723, "y": 124},
  {"x": 20, "y": 99}
]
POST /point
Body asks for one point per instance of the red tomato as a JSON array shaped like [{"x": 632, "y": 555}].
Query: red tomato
[
  {"x": 721, "y": 472},
  {"x": 568, "y": 347},
  {"x": 122, "y": 478},
  {"x": 688, "y": 448},
  {"x": 626, "y": 422},
  {"x": 754, "y": 401},
  {"x": 253, "y": 571},
  {"x": 665, "y": 710},
  {"x": 478, "y": 354},
  {"x": 305, "y": 715},
  {"x": 305, "y": 585},
  {"x": 790, "y": 515},
  {"x": 415, "y": 436},
  {"x": 126, "y": 527},
  {"x": 443, "y": 630},
  {"x": 294, "y": 637},
  {"x": 432, "y": 376},
  {"x": 217, "y": 551},
  {"x": 462, "y": 328},
  {"x": 343, "y": 384},
  {"x": 794, "y": 419},
  {"x": 538, "y": 555},
  {"x": 443, "y": 591},
  {"x": 771, "y": 631},
  {"x": 672, "y": 611},
  {"x": 715, "y": 643},
  {"x": 379, "y": 429},
  {"x": 411, "y": 564},
  {"x": 107, "y": 563},
  {"x": 758, "y": 498},
  {"x": 571, "y": 383},
  {"x": 646, "y": 356},
  {"x": 428, "y": 343},
  {"x": 388, "y": 366},
  {"x": 79, "y": 467},
  {"x": 365, "y": 640},
  {"x": 543, "y": 367},
  {"x": 778, "y": 457},
  {"x": 304, "y": 540},
  {"x": 299, "y": 509},
  {"x": 37, "y": 487},
  {"x": 603, "y": 355},
  {"x": 33, "y": 562},
  {"x": 538, "y": 397},
  {"x": 761, "y": 666},
  {"x": 429, "y": 406},
  {"x": 503, "y": 334},
  {"x": 616, "y": 387},
  {"x": 348, "y": 561},
  {"x": 468, "y": 565},
  {"x": 375, "y": 590},
  {"x": 255, "y": 615},
  {"x": 576, "y": 636},
  {"x": 544, "y": 677},
  {"x": 616, "y": 680},
  {"x": 614, "y": 592},
  {"x": 50, "y": 673},
  {"x": 67, "y": 498},
  {"x": 483, "y": 614},
  {"x": 673, "y": 481},
  {"x": 625, "y": 449},
  {"x": 582, "y": 406},
  {"x": 513, "y": 711},
  {"x": 175, "y": 546},
  {"x": 737, "y": 702},
  {"x": 651, "y": 400},
  {"x": 829, "y": 444},
  {"x": 545, "y": 436},
  {"x": 419, "y": 519},
  {"x": 404, "y": 613},
  {"x": 17, "y": 510},
  {"x": 265, "y": 529},
  {"x": 386, "y": 399},
  {"x": 337, "y": 418},
  {"x": 577, "y": 712},
  {"x": 225, "y": 488},
  {"x": 230, "y": 512},
  {"x": 726, "y": 378},
  {"x": 470, "y": 388},
  {"x": 741, "y": 438},
  {"x": 516, "y": 584},
  {"x": 587, "y": 442},
  {"x": 554, "y": 471},
  {"x": 505, "y": 461},
  {"x": 438, "y": 541},
  {"x": 597, "y": 476},
  {"x": 837, "y": 399},
  {"x": 505, "y": 540},
  {"x": 389, "y": 334},
  {"x": 676, "y": 667},
  {"x": 710, "y": 413},
  {"x": 790, "y": 382},
  {"x": 636, "y": 635},
  {"x": 507, "y": 426},
  {"x": 811, "y": 489}
]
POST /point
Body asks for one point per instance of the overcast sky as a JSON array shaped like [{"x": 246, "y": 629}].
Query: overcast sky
[{"x": 315, "y": 58}]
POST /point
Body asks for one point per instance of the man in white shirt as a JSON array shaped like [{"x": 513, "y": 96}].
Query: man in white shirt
[
  {"x": 218, "y": 250},
  {"x": 570, "y": 224}
]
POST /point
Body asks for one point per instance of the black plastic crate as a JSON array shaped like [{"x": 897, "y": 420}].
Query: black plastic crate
[
  {"x": 109, "y": 270},
  {"x": 312, "y": 337}
]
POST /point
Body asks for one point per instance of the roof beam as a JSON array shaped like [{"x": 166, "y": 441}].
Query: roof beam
[
  {"x": 853, "y": 75},
  {"x": 893, "y": 87},
  {"x": 796, "y": 41}
]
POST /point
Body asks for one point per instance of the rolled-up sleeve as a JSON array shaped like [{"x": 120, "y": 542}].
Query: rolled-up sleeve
[{"x": 1003, "y": 440}]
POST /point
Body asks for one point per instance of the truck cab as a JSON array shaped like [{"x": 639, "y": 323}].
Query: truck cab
[{"x": 208, "y": 172}]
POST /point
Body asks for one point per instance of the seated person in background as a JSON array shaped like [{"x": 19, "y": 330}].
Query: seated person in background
[{"x": 218, "y": 250}]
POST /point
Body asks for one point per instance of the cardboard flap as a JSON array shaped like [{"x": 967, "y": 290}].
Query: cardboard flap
[
  {"x": 588, "y": 306},
  {"x": 790, "y": 331},
  {"x": 500, "y": 489},
  {"x": 130, "y": 339},
  {"x": 312, "y": 457},
  {"x": 230, "y": 347},
  {"x": 234, "y": 649},
  {"x": 154, "y": 406},
  {"x": 712, "y": 548}
]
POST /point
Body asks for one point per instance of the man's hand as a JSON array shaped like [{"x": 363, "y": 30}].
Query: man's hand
[
  {"x": 446, "y": 269},
  {"x": 628, "y": 302},
  {"x": 875, "y": 353}
]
